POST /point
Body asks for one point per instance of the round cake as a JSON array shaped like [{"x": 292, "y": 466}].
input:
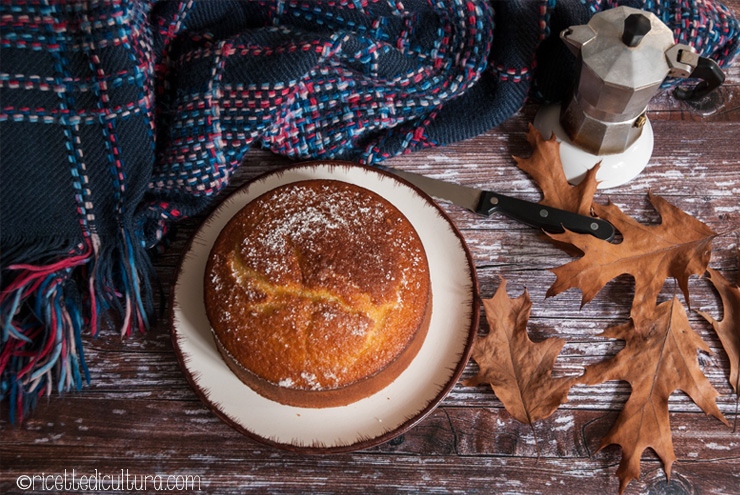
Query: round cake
[{"x": 318, "y": 293}]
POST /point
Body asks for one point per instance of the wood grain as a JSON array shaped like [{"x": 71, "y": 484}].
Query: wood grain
[{"x": 140, "y": 415}]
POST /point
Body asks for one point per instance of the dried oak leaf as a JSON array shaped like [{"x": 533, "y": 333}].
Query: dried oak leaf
[
  {"x": 546, "y": 169},
  {"x": 655, "y": 363},
  {"x": 728, "y": 329},
  {"x": 518, "y": 370},
  {"x": 678, "y": 247}
]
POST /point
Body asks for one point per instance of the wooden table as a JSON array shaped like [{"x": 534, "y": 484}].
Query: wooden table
[{"x": 139, "y": 414}]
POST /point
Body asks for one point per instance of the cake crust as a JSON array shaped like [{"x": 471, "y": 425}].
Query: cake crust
[{"x": 318, "y": 293}]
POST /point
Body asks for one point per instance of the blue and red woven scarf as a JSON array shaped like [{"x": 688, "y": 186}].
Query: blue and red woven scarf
[{"x": 120, "y": 117}]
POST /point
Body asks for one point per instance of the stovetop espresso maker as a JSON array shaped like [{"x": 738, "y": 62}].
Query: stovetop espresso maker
[{"x": 625, "y": 55}]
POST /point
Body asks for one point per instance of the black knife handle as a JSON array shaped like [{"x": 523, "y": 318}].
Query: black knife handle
[{"x": 549, "y": 219}]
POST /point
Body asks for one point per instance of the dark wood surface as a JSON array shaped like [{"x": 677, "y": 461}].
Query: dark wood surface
[{"x": 140, "y": 415}]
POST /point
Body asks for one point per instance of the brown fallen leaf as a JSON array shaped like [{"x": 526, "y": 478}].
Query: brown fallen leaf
[
  {"x": 678, "y": 247},
  {"x": 655, "y": 363},
  {"x": 728, "y": 329},
  {"x": 546, "y": 169},
  {"x": 518, "y": 370}
]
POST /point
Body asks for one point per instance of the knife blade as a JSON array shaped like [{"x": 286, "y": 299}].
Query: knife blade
[{"x": 486, "y": 203}]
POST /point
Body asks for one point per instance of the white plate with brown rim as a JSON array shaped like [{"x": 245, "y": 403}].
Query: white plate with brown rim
[{"x": 374, "y": 419}]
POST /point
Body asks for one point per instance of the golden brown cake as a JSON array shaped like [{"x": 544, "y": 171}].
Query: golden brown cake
[{"x": 318, "y": 293}]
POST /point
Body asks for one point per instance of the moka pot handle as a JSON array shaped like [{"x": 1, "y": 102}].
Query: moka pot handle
[{"x": 703, "y": 68}]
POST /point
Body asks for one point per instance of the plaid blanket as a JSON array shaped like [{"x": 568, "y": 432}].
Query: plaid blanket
[{"x": 120, "y": 117}]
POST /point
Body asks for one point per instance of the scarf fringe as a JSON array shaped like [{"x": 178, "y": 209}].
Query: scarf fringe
[{"x": 46, "y": 306}]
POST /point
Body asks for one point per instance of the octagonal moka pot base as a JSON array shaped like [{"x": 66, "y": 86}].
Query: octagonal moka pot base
[{"x": 616, "y": 169}]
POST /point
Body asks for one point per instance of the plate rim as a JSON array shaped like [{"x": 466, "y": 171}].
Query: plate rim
[{"x": 360, "y": 443}]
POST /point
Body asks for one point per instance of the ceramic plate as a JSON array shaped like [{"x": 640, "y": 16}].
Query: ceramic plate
[{"x": 370, "y": 421}]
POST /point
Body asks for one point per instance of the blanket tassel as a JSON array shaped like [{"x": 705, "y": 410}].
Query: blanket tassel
[{"x": 45, "y": 307}]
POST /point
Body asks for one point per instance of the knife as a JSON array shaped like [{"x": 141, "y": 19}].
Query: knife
[{"x": 549, "y": 219}]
